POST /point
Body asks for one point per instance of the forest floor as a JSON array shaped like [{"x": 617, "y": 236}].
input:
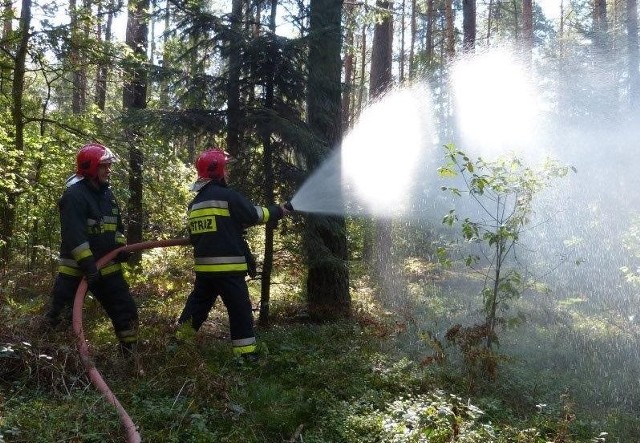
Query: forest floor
[{"x": 388, "y": 374}]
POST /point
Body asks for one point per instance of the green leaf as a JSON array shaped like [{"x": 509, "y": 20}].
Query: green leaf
[
  {"x": 469, "y": 167},
  {"x": 447, "y": 172}
]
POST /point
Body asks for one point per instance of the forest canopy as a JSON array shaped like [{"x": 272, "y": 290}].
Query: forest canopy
[{"x": 520, "y": 278}]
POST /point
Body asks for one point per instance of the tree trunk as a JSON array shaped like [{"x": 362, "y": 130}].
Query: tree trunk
[
  {"x": 325, "y": 240},
  {"x": 600, "y": 22},
  {"x": 527, "y": 30},
  {"x": 516, "y": 23},
  {"x": 77, "y": 57},
  {"x": 34, "y": 200},
  {"x": 135, "y": 99},
  {"x": 403, "y": 14},
  {"x": 449, "y": 30},
  {"x": 605, "y": 95},
  {"x": 269, "y": 185},
  {"x": 429, "y": 33},
  {"x": 7, "y": 216},
  {"x": 363, "y": 70},
  {"x": 8, "y": 209},
  {"x": 634, "y": 58},
  {"x": 7, "y": 28},
  {"x": 493, "y": 301},
  {"x": 347, "y": 93},
  {"x": 233, "y": 84},
  {"x": 103, "y": 67},
  {"x": 468, "y": 25},
  {"x": 135, "y": 88},
  {"x": 563, "y": 87},
  {"x": 378, "y": 237},
  {"x": 164, "y": 83},
  {"x": 381, "y": 81},
  {"x": 412, "y": 41}
]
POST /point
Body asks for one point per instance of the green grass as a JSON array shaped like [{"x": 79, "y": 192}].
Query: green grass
[{"x": 360, "y": 380}]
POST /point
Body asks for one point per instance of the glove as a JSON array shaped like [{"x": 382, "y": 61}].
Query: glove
[
  {"x": 122, "y": 257},
  {"x": 277, "y": 212},
  {"x": 93, "y": 280}
]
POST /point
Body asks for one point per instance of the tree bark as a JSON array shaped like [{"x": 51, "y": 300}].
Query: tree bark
[
  {"x": 490, "y": 8},
  {"x": 402, "y": 41},
  {"x": 634, "y": 58},
  {"x": 412, "y": 41},
  {"x": 103, "y": 67},
  {"x": 381, "y": 79},
  {"x": 378, "y": 237},
  {"x": 325, "y": 239},
  {"x": 164, "y": 83},
  {"x": 468, "y": 25},
  {"x": 7, "y": 28},
  {"x": 363, "y": 70},
  {"x": 347, "y": 93},
  {"x": 233, "y": 84},
  {"x": 77, "y": 60},
  {"x": 527, "y": 30},
  {"x": 379, "y": 250},
  {"x": 600, "y": 26},
  {"x": 429, "y": 33},
  {"x": 135, "y": 99},
  {"x": 8, "y": 209},
  {"x": 449, "y": 29},
  {"x": 269, "y": 184},
  {"x": 605, "y": 94}
]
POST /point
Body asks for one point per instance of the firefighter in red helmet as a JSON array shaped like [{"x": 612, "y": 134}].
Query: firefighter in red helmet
[
  {"x": 217, "y": 218},
  {"x": 91, "y": 226}
]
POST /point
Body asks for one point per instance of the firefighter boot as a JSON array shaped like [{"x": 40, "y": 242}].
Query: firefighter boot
[{"x": 131, "y": 354}]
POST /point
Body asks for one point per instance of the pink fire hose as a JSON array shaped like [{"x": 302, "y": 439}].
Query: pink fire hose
[{"x": 131, "y": 430}]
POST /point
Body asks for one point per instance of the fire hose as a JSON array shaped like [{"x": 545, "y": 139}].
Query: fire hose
[{"x": 133, "y": 436}]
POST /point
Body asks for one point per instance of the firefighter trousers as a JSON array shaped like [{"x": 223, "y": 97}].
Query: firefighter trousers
[
  {"x": 112, "y": 291},
  {"x": 235, "y": 295}
]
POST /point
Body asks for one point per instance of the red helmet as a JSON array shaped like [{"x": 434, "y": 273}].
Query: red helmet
[
  {"x": 211, "y": 164},
  {"x": 90, "y": 156}
]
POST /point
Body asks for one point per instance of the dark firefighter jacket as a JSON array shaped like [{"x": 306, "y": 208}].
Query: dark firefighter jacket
[
  {"x": 218, "y": 215},
  {"x": 91, "y": 227}
]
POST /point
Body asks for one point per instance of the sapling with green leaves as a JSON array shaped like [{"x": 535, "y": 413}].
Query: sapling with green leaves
[{"x": 503, "y": 190}]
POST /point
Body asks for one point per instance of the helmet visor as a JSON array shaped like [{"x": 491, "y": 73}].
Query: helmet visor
[{"x": 108, "y": 157}]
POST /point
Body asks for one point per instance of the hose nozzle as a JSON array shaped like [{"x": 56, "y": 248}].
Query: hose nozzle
[{"x": 288, "y": 206}]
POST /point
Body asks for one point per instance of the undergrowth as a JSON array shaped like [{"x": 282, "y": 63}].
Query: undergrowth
[{"x": 315, "y": 383}]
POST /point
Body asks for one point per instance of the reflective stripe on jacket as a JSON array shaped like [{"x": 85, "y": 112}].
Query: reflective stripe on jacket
[
  {"x": 217, "y": 217},
  {"x": 91, "y": 226},
  {"x": 70, "y": 267}
]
